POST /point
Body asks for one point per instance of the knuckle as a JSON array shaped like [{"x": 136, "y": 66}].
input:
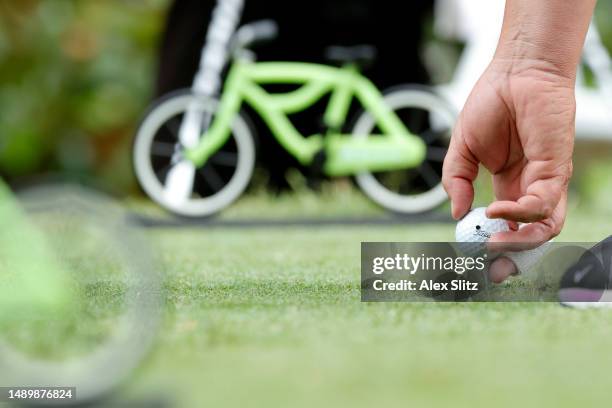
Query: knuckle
[
  {"x": 556, "y": 228},
  {"x": 546, "y": 211},
  {"x": 566, "y": 174}
]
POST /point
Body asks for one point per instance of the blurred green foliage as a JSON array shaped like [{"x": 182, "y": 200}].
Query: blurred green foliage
[
  {"x": 603, "y": 14},
  {"x": 74, "y": 78}
]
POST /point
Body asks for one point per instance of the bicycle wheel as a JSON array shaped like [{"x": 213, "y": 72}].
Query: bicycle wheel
[
  {"x": 158, "y": 166},
  {"x": 84, "y": 298},
  {"x": 417, "y": 190}
]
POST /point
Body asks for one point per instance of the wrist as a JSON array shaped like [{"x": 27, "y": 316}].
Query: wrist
[
  {"x": 545, "y": 35},
  {"x": 517, "y": 57},
  {"x": 512, "y": 63}
]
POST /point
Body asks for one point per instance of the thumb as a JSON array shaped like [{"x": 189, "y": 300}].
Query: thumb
[
  {"x": 501, "y": 269},
  {"x": 458, "y": 173}
]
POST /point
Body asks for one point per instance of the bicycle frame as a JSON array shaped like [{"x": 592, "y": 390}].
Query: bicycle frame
[{"x": 396, "y": 148}]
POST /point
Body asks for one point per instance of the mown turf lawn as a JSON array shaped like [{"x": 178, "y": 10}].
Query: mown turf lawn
[{"x": 271, "y": 317}]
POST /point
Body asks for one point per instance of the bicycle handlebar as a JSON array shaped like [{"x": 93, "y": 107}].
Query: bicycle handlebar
[{"x": 252, "y": 33}]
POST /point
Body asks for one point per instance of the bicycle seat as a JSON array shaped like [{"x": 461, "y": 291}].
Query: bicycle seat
[{"x": 358, "y": 54}]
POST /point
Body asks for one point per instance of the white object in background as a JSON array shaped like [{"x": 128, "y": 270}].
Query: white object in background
[
  {"x": 478, "y": 23},
  {"x": 179, "y": 183},
  {"x": 207, "y": 82},
  {"x": 225, "y": 19},
  {"x": 594, "y": 104}
]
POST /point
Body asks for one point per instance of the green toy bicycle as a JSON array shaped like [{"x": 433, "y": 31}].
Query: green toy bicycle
[{"x": 195, "y": 155}]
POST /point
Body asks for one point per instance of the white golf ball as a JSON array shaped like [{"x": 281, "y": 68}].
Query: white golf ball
[{"x": 475, "y": 229}]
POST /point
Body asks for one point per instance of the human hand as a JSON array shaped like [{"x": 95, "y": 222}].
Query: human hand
[{"x": 519, "y": 124}]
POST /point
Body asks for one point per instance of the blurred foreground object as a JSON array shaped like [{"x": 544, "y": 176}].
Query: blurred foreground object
[{"x": 79, "y": 293}]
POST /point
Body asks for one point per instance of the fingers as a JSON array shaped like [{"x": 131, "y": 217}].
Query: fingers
[
  {"x": 458, "y": 173},
  {"x": 542, "y": 208},
  {"x": 531, "y": 235},
  {"x": 526, "y": 209},
  {"x": 528, "y": 237},
  {"x": 461, "y": 192},
  {"x": 541, "y": 197},
  {"x": 501, "y": 269}
]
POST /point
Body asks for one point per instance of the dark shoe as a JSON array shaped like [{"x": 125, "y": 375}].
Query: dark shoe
[{"x": 587, "y": 283}]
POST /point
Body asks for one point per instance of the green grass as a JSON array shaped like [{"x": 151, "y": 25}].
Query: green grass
[
  {"x": 337, "y": 199},
  {"x": 271, "y": 317}
]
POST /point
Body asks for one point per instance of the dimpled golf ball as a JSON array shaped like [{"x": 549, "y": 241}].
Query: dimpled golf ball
[{"x": 475, "y": 229}]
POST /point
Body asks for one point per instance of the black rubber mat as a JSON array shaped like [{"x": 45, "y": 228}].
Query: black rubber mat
[{"x": 214, "y": 222}]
